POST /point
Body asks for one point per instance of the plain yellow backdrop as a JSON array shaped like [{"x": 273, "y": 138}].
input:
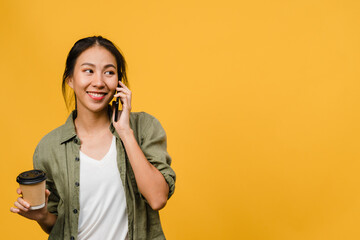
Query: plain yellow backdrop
[{"x": 260, "y": 101}]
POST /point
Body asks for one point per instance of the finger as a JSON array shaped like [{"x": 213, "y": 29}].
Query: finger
[
  {"x": 127, "y": 91},
  {"x": 121, "y": 95},
  {"x": 23, "y": 202},
  {"x": 124, "y": 99},
  {"x": 123, "y": 85},
  {"x": 14, "y": 210},
  {"x": 18, "y": 191},
  {"x": 47, "y": 194},
  {"x": 21, "y": 207},
  {"x": 122, "y": 89}
]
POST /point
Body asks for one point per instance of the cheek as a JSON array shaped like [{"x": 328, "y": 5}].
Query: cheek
[
  {"x": 112, "y": 88},
  {"x": 113, "y": 85},
  {"x": 79, "y": 81}
]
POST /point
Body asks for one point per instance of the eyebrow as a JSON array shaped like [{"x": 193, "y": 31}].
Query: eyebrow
[
  {"x": 93, "y": 65},
  {"x": 109, "y": 65}
]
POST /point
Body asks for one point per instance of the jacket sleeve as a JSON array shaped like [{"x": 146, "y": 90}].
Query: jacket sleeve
[
  {"x": 39, "y": 163},
  {"x": 154, "y": 146}
]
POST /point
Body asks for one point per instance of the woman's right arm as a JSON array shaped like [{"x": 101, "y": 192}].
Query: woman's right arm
[{"x": 44, "y": 218}]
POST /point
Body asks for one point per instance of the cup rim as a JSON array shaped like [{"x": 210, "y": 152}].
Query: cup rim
[{"x": 31, "y": 177}]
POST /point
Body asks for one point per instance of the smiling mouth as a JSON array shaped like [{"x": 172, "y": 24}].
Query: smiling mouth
[{"x": 96, "y": 96}]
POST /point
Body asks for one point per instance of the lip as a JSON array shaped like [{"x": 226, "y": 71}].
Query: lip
[{"x": 96, "y": 95}]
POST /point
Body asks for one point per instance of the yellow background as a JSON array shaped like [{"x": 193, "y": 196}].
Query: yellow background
[{"x": 260, "y": 101}]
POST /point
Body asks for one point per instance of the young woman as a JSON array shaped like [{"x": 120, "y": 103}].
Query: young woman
[{"x": 106, "y": 178}]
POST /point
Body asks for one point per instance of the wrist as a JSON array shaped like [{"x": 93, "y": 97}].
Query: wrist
[
  {"x": 126, "y": 134},
  {"x": 42, "y": 219}
]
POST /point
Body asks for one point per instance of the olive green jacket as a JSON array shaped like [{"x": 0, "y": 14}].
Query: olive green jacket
[{"x": 58, "y": 155}]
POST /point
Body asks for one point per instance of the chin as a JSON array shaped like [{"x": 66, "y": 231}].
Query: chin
[
  {"x": 97, "y": 109},
  {"x": 94, "y": 107}
]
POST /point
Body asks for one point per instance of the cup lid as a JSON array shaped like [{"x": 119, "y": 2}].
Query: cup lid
[{"x": 31, "y": 177}]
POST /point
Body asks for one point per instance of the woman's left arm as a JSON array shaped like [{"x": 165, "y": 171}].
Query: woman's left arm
[{"x": 150, "y": 181}]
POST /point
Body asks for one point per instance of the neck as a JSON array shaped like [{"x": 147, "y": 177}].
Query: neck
[{"x": 89, "y": 123}]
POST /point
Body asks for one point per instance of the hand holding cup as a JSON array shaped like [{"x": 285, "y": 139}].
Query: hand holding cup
[{"x": 34, "y": 198}]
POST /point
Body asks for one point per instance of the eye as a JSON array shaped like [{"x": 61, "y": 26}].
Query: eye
[
  {"x": 88, "y": 70},
  {"x": 109, "y": 73}
]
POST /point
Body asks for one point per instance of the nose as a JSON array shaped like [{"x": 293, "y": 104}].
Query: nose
[{"x": 97, "y": 81}]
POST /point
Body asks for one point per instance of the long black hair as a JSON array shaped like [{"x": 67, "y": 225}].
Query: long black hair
[{"x": 79, "y": 47}]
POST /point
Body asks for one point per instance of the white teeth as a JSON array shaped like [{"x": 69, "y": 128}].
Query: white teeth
[{"x": 97, "y": 94}]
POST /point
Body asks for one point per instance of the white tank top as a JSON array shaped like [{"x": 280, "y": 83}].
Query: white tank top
[{"x": 102, "y": 198}]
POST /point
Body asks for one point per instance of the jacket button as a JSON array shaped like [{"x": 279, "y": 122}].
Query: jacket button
[
  {"x": 77, "y": 184},
  {"x": 75, "y": 140},
  {"x": 77, "y": 159},
  {"x": 75, "y": 211},
  {"x": 72, "y": 238}
]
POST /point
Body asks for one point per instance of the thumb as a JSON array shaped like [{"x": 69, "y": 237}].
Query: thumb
[{"x": 47, "y": 194}]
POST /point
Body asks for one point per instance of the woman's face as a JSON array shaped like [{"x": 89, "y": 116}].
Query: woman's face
[{"x": 95, "y": 79}]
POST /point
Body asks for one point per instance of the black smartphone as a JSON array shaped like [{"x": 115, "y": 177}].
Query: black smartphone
[{"x": 116, "y": 103}]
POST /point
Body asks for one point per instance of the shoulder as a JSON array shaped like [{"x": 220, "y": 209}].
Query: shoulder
[
  {"x": 53, "y": 138},
  {"x": 48, "y": 149},
  {"x": 142, "y": 117},
  {"x": 144, "y": 123},
  {"x": 60, "y": 134}
]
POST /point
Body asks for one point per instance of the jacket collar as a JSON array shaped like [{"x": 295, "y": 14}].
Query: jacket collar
[{"x": 68, "y": 132}]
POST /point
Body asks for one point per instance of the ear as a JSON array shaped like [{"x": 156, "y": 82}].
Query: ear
[{"x": 70, "y": 82}]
